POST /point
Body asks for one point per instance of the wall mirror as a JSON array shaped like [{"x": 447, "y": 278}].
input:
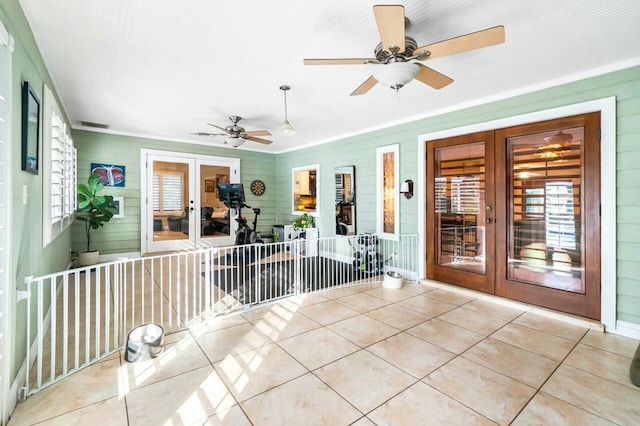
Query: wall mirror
[
  {"x": 345, "y": 200},
  {"x": 306, "y": 197}
]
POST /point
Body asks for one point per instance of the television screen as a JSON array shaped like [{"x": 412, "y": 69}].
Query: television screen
[{"x": 231, "y": 194}]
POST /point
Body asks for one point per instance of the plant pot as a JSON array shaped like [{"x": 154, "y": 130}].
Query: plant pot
[{"x": 87, "y": 258}]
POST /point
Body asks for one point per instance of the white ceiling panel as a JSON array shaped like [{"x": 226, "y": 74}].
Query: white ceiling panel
[{"x": 163, "y": 68}]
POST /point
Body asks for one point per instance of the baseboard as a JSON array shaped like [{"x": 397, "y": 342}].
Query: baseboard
[{"x": 627, "y": 329}]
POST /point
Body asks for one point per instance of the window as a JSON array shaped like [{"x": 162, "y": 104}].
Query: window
[
  {"x": 59, "y": 171},
  {"x": 388, "y": 209},
  {"x": 168, "y": 192}
]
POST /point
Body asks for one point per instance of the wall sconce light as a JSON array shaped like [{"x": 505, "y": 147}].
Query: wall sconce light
[{"x": 407, "y": 188}]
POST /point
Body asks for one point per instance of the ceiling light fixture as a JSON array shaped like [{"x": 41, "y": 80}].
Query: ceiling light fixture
[
  {"x": 395, "y": 74},
  {"x": 286, "y": 128}
]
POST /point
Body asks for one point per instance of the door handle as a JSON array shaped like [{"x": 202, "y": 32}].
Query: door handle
[{"x": 489, "y": 220}]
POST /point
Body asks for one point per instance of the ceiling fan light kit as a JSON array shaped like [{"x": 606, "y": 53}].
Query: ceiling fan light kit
[
  {"x": 396, "y": 54},
  {"x": 286, "y": 128},
  {"x": 395, "y": 75}
]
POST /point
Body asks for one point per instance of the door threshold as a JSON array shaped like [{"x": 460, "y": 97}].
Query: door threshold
[{"x": 545, "y": 312}]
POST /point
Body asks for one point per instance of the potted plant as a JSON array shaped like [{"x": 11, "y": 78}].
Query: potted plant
[
  {"x": 302, "y": 223},
  {"x": 94, "y": 210}
]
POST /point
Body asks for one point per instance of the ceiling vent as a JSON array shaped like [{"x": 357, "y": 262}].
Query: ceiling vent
[{"x": 92, "y": 124}]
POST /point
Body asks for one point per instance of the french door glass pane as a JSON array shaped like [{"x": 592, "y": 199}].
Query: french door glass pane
[
  {"x": 170, "y": 200},
  {"x": 545, "y": 244},
  {"x": 460, "y": 207},
  {"x": 214, "y": 215}
]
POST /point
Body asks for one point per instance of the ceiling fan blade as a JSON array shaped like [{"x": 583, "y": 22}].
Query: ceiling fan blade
[
  {"x": 257, "y": 133},
  {"x": 259, "y": 140},
  {"x": 218, "y": 127},
  {"x": 432, "y": 77},
  {"x": 208, "y": 134},
  {"x": 477, "y": 40},
  {"x": 365, "y": 87},
  {"x": 344, "y": 61},
  {"x": 390, "y": 20}
]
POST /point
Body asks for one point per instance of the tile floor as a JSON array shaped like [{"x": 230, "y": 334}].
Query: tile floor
[{"x": 365, "y": 355}]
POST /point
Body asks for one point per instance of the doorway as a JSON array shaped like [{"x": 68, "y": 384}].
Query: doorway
[
  {"x": 181, "y": 208},
  {"x": 515, "y": 212}
]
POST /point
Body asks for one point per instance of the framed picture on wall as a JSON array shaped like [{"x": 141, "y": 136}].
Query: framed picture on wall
[
  {"x": 109, "y": 174},
  {"x": 30, "y": 128},
  {"x": 209, "y": 185}
]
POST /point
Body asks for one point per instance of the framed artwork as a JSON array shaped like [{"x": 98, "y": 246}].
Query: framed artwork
[
  {"x": 109, "y": 174},
  {"x": 30, "y": 129},
  {"x": 209, "y": 185},
  {"x": 118, "y": 203}
]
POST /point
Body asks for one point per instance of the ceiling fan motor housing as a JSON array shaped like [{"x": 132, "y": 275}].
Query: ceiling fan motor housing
[{"x": 384, "y": 56}]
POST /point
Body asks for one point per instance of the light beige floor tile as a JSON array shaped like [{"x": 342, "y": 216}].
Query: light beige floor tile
[
  {"x": 177, "y": 358},
  {"x": 535, "y": 341},
  {"x": 607, "y": 365},
  {"x": 88, "y": 386},
  {"x": 230, "y": 417},
  {"x": 306, "y": 299},
  {"x": 613, "y": 401},
  {"x": 305, "y": 400},
  {"x": 610, "y": 342},
  {"x": 473, "y": 320},
  {"x": 254, "y": 372},
  {"x": 362, "y": 302},
  {"x": 392, "y": 294},
  {"x": 113, "y": 409},
  {"x": 327, "y": 312},
  {"x": 278, "y": 327},
  {"x": 343, "y": 291},
  {"x": 421, "y": 404},
  {"x": 398, "y": 316},
  {"x": 549, "y": 325},
  {"x": 215, "y": 324},
  {"x": 363, "y": 330},
  {"x": 280, "y": 309},
  {"x": 441, "y": 333},
  {"x": 186, "y": 399},
  {"x": 449, "y": 297},
  {"x": 546, "y": 410},
  {"x": 318, "y": 347},
  {"x": 413, "y": 355},
  {"x": 427, "y": 306},
  {"x": 519, "y": 364},
  {"x": 494, "y": 309},
  {"x": 352, "y": 375},
  {"x": 489, "y": 393},
  {"x": 233, "y": 340},
  {"x": 363, "y": 422}
]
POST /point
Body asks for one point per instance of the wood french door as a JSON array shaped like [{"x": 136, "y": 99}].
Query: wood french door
[{"x": 515, "y": 212}]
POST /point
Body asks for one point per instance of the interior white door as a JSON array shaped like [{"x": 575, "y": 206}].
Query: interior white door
[{"x": 181, "y": 209}]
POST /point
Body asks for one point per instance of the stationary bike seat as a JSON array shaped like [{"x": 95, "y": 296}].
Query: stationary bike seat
[{"x": 256, "y": 211}]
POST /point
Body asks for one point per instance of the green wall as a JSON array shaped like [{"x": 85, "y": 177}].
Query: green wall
[
  {"x": 123, "y": 235},
  {"x": 28, "y": 257},
  {"x": 360, "y": 151}
]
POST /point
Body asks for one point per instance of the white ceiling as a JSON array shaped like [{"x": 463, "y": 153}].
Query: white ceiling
[{"x": 164, "y": 68}]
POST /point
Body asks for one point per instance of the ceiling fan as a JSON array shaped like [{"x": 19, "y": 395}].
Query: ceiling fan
[
  {"x": 237, "y": 135},
  {"x": 395, "y": 62}
]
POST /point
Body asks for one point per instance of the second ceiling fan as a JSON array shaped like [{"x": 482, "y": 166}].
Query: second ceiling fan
[
  {"x": 237, "y": 135},
  {"x": 396, "y": 56}
]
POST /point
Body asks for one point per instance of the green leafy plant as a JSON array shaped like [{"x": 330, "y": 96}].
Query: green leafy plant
[
  {"x": 93, "y": 209},
  {"x": 303, "y": 222}
]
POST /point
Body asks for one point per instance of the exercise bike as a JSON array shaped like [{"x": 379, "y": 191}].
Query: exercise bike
[{"x": 246, "y": 234}]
